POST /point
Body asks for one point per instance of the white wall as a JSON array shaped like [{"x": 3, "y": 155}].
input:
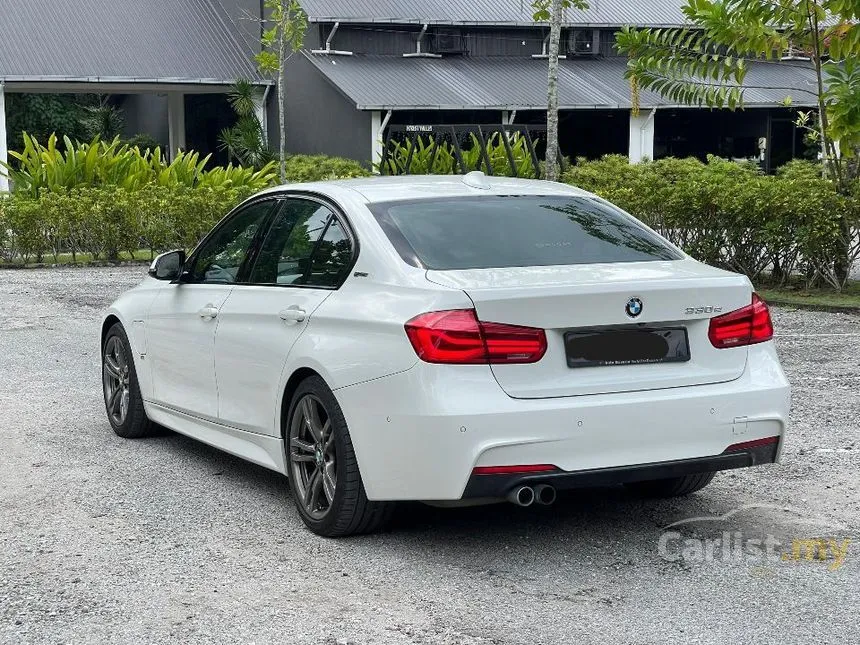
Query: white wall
[{"x": 642, "y": 136}]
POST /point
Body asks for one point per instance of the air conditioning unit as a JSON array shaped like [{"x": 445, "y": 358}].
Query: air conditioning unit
[
  {"x": 448, "y": 42},
  {"x": 582, "y": 42}
]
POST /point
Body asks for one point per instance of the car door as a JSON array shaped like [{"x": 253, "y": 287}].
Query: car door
[
  {"x": 306, "y": 254},
  {"x": 184, "y": 316}
]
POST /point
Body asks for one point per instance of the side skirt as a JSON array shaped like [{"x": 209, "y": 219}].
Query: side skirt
[{"x": 259, "y": 449}]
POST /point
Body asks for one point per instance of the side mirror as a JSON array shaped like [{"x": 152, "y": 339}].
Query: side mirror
[{"x": 167, "y": 266}]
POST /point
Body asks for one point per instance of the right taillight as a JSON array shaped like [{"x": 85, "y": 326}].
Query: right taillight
[
  {"x": 745, "y": 326},
  {"x": 457, "y": 336}
]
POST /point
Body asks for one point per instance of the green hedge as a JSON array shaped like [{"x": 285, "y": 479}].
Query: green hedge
[
  {"x": 731, "y": 215},
  {"x": 106, "y": 222},
  {"x": 108, "y": 199}
]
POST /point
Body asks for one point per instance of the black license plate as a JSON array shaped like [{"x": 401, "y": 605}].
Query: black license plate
[{"x": 591, "y": 348}]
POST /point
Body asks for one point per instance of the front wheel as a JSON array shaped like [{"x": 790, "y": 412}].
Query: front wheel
[
  {"x": 673, "y": 486},
  {"x": 123, "y": 401},
  {"x": 323, "y": 471}
]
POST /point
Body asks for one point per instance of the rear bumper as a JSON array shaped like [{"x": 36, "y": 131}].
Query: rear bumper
[
  {"x": 483, "y": 486},
  {"x": 419, "y": 434}
]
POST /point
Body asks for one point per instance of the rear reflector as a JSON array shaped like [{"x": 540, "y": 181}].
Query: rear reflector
[
  {"x": 457, "y": 336},
  {"x": 755, "y": 443},
  {"x": 745, "y": 326},
  {"x": 513, "y": 470}
]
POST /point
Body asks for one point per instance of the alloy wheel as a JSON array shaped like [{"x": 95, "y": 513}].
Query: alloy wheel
[
  {"x": 116, "y": 380},
  {"x": 313, "y": 457}
]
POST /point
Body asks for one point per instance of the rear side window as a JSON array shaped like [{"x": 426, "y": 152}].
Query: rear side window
[{"x": 516, "y": 231}]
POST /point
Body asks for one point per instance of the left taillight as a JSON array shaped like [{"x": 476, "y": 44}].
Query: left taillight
[
  {"x": 745, "y": 326},
  {"x": 457, "y": 337}
]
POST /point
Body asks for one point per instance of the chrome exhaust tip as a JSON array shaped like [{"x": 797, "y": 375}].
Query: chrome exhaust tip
[
  {"x": 544, "y": 494},
  {"x": 522, "y": 496}
]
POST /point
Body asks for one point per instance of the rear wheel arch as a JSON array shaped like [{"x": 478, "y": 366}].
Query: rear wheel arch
[{"x": 290, "y": 388}]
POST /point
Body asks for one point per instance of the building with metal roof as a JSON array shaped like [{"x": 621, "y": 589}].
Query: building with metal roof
[
  {"x": 158, "y": 56},
  {"x": 375, "y": 67},
  {"x": 372, "y": 68}
]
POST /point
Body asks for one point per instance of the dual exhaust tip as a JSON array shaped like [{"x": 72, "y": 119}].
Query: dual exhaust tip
[{"x": 542, "y": 494}]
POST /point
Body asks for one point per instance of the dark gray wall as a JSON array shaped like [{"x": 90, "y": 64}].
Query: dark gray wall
[
  {"x": 320, "y": 120},
  {"x": 146, "y": 114},
  {"x": 393, "y": 40}
]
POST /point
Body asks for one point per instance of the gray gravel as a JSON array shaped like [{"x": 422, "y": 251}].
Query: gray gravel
[{"x": 166, "y": 540}]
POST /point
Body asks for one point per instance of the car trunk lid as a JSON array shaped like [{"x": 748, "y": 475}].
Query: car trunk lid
[{"x": 674, "y": 295}]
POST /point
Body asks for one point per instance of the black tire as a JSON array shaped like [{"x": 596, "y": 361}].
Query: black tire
[
  {"x": 672, "y": 487},
  {"x": 134, "y": 424},
  {"x": 350, "y": 512}
]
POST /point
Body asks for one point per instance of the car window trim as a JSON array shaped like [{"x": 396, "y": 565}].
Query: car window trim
[
  {"x": 266, "y": 223},
  {"x": 336, "y": 213}
]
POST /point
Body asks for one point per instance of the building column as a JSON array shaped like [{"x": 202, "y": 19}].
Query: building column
[
  {"x": 176, "y": 122},
  {"x": 261, "y": 100},
  {"x": 642, "y": 136},
  {"x": 4, "y": 151}
]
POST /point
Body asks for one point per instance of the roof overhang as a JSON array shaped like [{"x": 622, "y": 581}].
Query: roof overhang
[
  {"x": 518, "y": 83},
  {"x": 108, "y": 85}
]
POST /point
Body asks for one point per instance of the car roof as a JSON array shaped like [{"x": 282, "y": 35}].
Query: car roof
[{"x": 411, "y": 187}]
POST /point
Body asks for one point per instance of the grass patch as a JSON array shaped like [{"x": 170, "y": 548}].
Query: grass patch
[
  {"x": 65, "y": 259},
  {"x": 796, "y": 295}
]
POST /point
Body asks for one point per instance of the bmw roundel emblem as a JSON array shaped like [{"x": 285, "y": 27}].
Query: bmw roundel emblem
[{"x": 633, "y": 307}]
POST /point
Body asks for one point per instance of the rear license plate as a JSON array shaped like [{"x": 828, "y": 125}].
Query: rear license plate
[{"x": 626, "y": 346}]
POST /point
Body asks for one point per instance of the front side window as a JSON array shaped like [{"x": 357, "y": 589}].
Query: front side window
[
  {"x": 306, "y": 246},
  {"x": 516, "y": 231},
  {"x": 220, "y": 259}
]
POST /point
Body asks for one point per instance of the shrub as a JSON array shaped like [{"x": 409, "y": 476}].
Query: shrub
[
  {"x": 731, "y": 215},
  {"x": 98, "y": 163},
  {"x": 302, "y": 168},
  {"x": 422, "y": 157},
  {"x": 108, "y": 222}
]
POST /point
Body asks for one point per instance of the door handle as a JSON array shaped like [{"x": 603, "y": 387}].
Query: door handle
[
  {"x": 208, "y": 312},
  {"x": 293, "y": 314}
]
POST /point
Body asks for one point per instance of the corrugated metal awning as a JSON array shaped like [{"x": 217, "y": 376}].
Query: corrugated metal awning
[
  {"x": 127, "y": 41},
  {"x": 519, "y": 83}
]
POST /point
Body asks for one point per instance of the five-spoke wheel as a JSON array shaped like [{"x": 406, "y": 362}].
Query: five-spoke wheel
[
  {"x": 323, "y": 469},
  {"x": 313, "y": 456},
  {"x": 123, "y": 402},
  {"x": 115, "y": 378}
]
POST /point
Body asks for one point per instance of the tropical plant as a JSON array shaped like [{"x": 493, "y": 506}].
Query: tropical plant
[
  {"x": 284, "y": 35},
  {"x": 103, "y": 120},
  {"x": 421, "y": 156},
  {"x": 39, "y": 168},
  {"x": 552, "y": 11},
  {"x": 245, "y": 142},
  {"x": 706, "y": 63}
]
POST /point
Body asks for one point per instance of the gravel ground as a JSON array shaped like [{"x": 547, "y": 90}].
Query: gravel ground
[{"x": 166, "y": 540}]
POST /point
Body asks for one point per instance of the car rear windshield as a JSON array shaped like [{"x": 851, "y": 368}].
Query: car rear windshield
[{"x": 516, "y": 231}]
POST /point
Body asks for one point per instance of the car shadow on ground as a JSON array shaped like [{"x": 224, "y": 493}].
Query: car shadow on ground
[{"x": 591, "y": 514}]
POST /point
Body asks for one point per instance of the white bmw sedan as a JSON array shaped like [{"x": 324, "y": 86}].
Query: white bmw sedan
[{"x": 447, "y": 339}]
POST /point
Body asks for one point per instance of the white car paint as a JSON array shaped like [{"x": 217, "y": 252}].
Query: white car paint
[{"x": 419, "y": 428}]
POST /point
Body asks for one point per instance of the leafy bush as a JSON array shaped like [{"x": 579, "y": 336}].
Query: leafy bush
[
  {"x": 422, "y": 157},
  {"x": 731, "y": 215},
  {"x": 38, "y": 168},
  {"x": 302, "y": 168},
  {"x": 107, "y": 222}
]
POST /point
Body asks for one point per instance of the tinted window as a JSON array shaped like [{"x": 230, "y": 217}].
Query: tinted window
[
  {"x": 221, "y": 257},
  {"x": 493, "y": 231},
  {"x": 301, "y": 230},
  {"x": 332, "y": 257}
]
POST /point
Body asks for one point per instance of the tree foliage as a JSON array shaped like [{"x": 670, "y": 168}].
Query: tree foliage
[
  {"x": 245, "y": 141},
  {"x": 706, "y": 63},
  {"x": 283, "y": 35}
]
